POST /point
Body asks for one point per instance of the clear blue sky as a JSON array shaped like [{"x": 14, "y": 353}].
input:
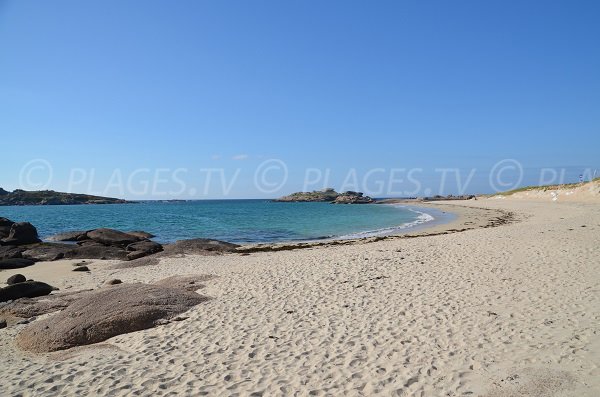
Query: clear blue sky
[{"x": 108, "y": 85}]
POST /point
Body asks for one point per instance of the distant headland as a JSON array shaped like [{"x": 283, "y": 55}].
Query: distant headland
[{"x": 50, "y": 197}]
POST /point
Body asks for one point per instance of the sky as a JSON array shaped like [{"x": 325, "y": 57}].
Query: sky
[{"x": 251, "y": 99}]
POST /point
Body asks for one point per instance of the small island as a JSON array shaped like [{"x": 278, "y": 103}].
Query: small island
[
  {"x": 327, "y": 195},
  {"x": 50, "y": 197}
]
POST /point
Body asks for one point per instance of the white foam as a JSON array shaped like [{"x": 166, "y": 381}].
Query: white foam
[{"x": 421, "y": 219}]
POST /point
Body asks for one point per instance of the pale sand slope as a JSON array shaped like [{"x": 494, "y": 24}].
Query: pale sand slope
[
  {"x": 584, "y": 192},
  {"x": 505, "y": 311}
]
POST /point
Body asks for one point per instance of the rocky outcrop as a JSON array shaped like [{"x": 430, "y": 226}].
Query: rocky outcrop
[
  {"x": 30, "y": 307},
  {"x": 75, "y": 235},
  {"x": 21, "y": 233},
  {"x": 112, "y": 237},
  {"x": 140, "y": 249},
  {"x": 188, "y": 283},
  {"x": 112, "y": 244},
  {"x": 327, "y": 195},
  {"x": 46, "y": 251},
  {"x": 21, "y": 247},
  {"x": 99, "y": 244},
  {"x": 82, "y": 235},
  {"x": 15, "y": 279},
  {"x": 197, "y": 246},
  {"x": 141, "y": 234},
  {"x": 324, "y": 195},
  {"x": 42, "y": 252},
  {"x": 5, "y": 225},
  {"x": 102, "y": 314},
  {"x": 50, "y": 197},
  {"x": 15, "y": 263},
  {"x": 28, "y": 289},
  {"x": 22, "y": 242},
  {"x": 10, "y": 252},
  {"x": 351, "y": 197},
  {"x": 96, "y": 251}
]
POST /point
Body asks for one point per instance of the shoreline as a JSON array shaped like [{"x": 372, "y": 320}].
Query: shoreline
[
  {"x": 59, "y": 272},
  {"x": 439, "y": 213},
  {"x": 466, "y": 308},
  {"x": 489, "y": 311},
  {"x": 448, "y": 218},
  {"x": 465, "y": 218},
  {"x": 423, "y": 220}
]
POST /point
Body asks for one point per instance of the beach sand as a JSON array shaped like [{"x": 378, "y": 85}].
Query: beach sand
[{"x": 511, "y": 310}]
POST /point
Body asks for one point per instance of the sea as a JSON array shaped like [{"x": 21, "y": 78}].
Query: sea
[{"x": 236, "y": 221}]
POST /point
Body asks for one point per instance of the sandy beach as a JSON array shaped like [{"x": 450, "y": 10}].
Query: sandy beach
[
  {"x": 300, "y": 199},
  {"x": 511, "y": 310}
]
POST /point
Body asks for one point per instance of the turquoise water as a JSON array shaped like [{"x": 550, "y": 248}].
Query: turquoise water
[{"x": 238, "y": 221}]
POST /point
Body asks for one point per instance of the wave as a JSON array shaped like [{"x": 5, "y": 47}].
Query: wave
[{"x": 422, "y": 218}]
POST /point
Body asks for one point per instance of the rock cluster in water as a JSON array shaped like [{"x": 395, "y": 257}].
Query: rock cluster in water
[
  {"x": 20, "y": 245},
  {"x": 92, "y": 316},
  {"x": 327, "y": 195},
  {"x": 351, "y": 197}
]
